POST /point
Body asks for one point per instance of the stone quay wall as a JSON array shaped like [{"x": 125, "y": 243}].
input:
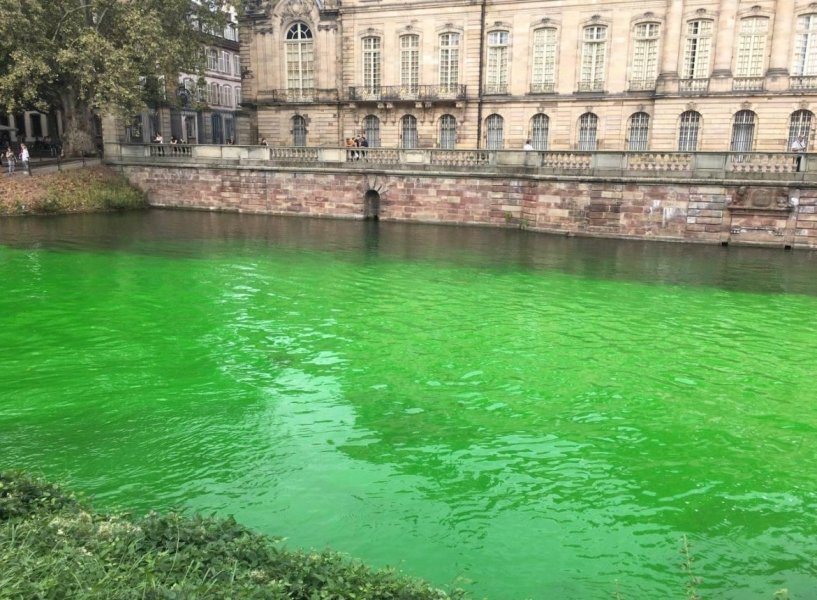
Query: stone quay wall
[{"x": 760, "y": 212}]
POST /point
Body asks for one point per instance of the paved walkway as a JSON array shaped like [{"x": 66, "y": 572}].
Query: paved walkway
[{"x": 38, "y": 167}]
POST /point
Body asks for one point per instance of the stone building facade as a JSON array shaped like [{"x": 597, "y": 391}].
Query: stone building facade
[{"x": 656, "y": 75}]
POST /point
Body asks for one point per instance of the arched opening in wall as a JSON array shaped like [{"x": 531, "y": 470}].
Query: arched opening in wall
[{"x": 371, "y": 206}]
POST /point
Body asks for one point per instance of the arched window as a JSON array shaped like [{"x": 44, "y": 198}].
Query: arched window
[
  {"x": 805, "y": 49},
  {"x": 448, "y": 132},
  {"x": 743, "y": 131},
  {"x": 449, "y": 61},
  {"x": 497, "y": 74},
  {"x": 799, "y": 124},
  {"x": 697, "y": 50},
  {"x": 644, "y": 66},
  {"x": 371, "y": 128},
  {"x": 298, "y": 131},
  {"x": 495, "y": 132},
  {"x": 539, "y": 130},
  {"x": 752, "y": 46},
  {"x": 543, "y": 77},
  {"x": 371, "y": 64},
  {"x": 408, "y": 132},
  {"x": 588, "y": 128},
  {"x": 594, "y": 50},
  {"x": 688, "y": 131},
  {"x": 638, "y": 135},
  {"x": 300, "y": 58},
  {"x": 410, "y": 63},
  {"x": 227, "y": 96},
  {"x": 214, "y": 97}
]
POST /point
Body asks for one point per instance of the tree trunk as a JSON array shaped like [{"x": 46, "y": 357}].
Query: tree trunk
[{"x": 78, "y": 137}]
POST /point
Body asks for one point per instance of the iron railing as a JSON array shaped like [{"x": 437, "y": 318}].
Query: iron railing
[
  {"x": 693, "y": 86},
  {"x": 392, "y": 93}
]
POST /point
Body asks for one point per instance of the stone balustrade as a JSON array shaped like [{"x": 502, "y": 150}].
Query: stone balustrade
[{"x": 766, "y": 166}]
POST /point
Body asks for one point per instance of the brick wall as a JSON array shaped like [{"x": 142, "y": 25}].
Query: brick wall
[{"x": 674, "y": 212}]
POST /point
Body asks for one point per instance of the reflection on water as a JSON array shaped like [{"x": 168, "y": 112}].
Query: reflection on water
[{"x": 525, "y": 415}]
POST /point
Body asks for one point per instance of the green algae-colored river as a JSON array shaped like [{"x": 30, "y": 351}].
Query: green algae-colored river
[{"x": 519, "y": 415}]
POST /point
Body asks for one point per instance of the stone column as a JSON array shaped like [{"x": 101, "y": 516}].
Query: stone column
[
  {"x": 724, "y": 47},
  {"x": 667, "y": 81},
  {"x": 784, "y": 24}
]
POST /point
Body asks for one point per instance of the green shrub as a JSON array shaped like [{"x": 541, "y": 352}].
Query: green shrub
[{"x": 52, "y": 546}]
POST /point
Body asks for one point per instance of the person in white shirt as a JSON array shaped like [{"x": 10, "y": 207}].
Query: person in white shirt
[
  {"x": 24, "y": 158},
  {"x": 527, "y": 146},
  {"x": 799, "y": 146}
]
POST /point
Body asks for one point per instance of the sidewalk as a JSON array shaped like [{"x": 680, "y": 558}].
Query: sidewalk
[{"x": 42, "y": 166}]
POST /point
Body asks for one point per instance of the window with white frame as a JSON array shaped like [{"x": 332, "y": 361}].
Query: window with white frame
[
  {"x": 496, "y": 81},
  {"x": 697, "y": 50},
  {"x": 214, "y": 96},
  {"x": 237, "y": 96},
  {"x": 448, "y": 132},
  {"x": 236, "y": 65},
  {"x": 799, "y": 125},
  {"x": 588, "y": 130},
  {"x": 743, "y": 131},
  {"x": 231, "y": 32},
  {"x": 227, "y": 96},
  {"x": 539, "y": 131},
  {"x": 594, "y": 50},
  {"x": 543, "y": 77},
  {"x": 752, "y": 46},
  {"x": 688, "y": 131},
  {"x": 805, "y": 47},
  {"x": 638, "y": 132},
  {"x": 449, "y": 60},
  {"x": 371, "y": 129},
  {"x": 224, "y": 62},
  {"x": 410, "y": 63},
  {"x": 298, "y": 131},
  {"x": 300, "y": 58},
  {"x": 408, "y": 131},
  {"x": 494, "y": 132},
  {"x": 644, "y": 66},
  {"x": 212, "y": 59},
  {"x": 371, "y": 64}
]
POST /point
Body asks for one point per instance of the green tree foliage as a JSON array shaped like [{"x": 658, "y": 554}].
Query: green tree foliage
[{"x": 86, "y": 56}]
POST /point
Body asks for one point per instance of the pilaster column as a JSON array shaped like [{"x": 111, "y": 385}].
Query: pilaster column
[
  {"x": 667, "y": 78},
  {"x": 784, "y": 25},
  {"x": 725, "y": 38}
]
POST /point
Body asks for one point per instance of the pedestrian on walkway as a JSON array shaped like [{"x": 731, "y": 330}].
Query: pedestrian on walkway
[
  {"x": 11, "y": 160},
  {"x": 24, "y": 158}
]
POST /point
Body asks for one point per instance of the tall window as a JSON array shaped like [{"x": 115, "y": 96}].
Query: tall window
[
  {"x": 588, "y": 128},
  {"x": 743, "y": 131},
  {"x": 227, "y": 96},
  {"x": 799, "y": 124},
  {"x": 539, "y": 130},
  {"x": 805, "y": 49},
  {"x": 217, "y": 127},
  {"x": 449, "y": 60},
  {"x": 371, "y": 64},
  {"x": 371, "y": 128},
  {"x": 752, "y": 46},
  {"x": 543, "y": 77},
  {"x": 298, "y": 131},
  {"x": 214, "y": 96},
  {"x": 410, "y": 63},
  {"x": 638, "y": 132},
  {"x": 697, "y": 50},
  {"x": 448, "y": 132},
  {"x": 300, "y": 58},
  {"x": 594, "y": 47},
  {"x": 237, "y": 65},
  {"x": 688, "y": 131},
  {"x": 238, "y": 96},
  {"x": 495, "y": 132},
  {"x": 224, "y": 62},
  {"x": 645, "y": 57},
  {"x": 212, "y": 59},
  {"x": 408, "y": 132},
  {"x": 497, "y": 80}
]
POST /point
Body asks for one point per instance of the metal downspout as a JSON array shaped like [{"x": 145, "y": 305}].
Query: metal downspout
[{"x": 481, "y": 70}]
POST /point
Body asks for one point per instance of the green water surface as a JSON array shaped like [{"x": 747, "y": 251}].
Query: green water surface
[{"x": 519, "y": 415}]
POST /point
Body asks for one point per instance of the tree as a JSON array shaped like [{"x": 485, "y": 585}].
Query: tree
[{"x": 88, "y": 56}]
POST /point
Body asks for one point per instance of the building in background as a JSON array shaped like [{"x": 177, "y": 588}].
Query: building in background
[
  {"x": 657, "y": 75},
  {"x": 40, "y": 131}
]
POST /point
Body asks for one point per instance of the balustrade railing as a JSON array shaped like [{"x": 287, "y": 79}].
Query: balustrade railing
[
  {"x": 693, "y": 86},
  {"x": 547, "y": 87},
  {"x": 392, "y": 93},
  {"x": 298, "y": 96},
  {"x": 748, "y": 84},
  {"x": 591, "y": 86},
  {"x": 640, "y": 85},
  {"x": 774, "y": 166},
  {"x": 803, "y": 83}
]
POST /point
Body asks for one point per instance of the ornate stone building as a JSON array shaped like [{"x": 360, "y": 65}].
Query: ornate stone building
[{"x": 658, "y": 75}]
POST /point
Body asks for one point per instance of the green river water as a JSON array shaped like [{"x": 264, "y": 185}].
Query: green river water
[{"x": 520, "y": 415}]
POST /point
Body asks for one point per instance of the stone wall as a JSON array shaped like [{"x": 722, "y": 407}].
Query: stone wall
[{"x": 691, "y": 212}]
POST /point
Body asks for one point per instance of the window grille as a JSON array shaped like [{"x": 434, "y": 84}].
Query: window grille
[
  {"x": 495, "y": 132},
  {"x": 540, "y": 124},
  {"x": 688, "y": 131},
  {"x": 371, "y": 128},
  {"x": 448, "y": 132},
  {"x": 588, "y": 128},
  {"x": 298, "y": 131},
  {"x": 799, "y": 124},
  {"x": 743, "y": 131},
  {"x": 639, "y": 132},
  {"x": 408, "y": 132}
]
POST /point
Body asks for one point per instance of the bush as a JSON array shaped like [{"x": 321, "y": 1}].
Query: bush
[{"x": 53, "y": 546}]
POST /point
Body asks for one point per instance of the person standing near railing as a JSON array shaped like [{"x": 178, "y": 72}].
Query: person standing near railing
[{"x": 798, "y": 146}]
